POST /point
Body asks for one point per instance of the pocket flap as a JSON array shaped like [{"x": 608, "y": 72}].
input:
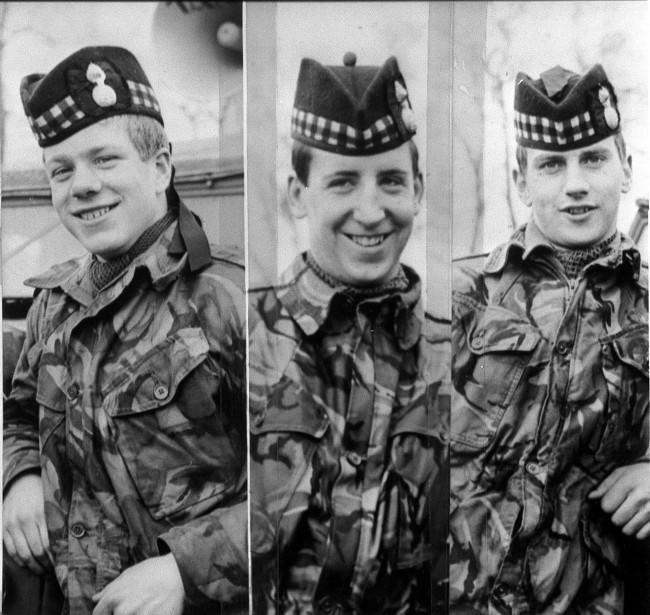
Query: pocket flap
[
  {"x": 151, "y": 381},
  {"x": 500, "y": 330},
  {"x": 51, "y": 387},
  {"x": 291, "y": 408},
  {"x": 419, "y": 420},
  {"x": 632, "y": 348}
]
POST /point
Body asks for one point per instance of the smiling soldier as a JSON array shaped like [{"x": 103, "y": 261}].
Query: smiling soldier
[
  {"x": 549, "y": 449},
  {"x": 124, "y": 434},
  {"x": 348, "y": 378}
]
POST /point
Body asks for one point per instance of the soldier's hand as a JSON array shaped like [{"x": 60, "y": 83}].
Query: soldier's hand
[
  {"x": 152, "y": 587},
  {"x": 625, "y": 496},
  {"x": 23, "y": 524}
]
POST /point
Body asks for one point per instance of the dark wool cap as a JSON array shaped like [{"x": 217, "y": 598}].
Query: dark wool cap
[
  {"x": 352, "y": 110},
  {"x": 563, "y": 110},
  {"x": 90, "y": 85}
]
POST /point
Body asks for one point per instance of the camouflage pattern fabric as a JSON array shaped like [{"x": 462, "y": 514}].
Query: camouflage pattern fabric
[
  {"x": 349, "y": 404},
  {"x": 550, "y": 395},
  {"x": 131, "y": 405}
]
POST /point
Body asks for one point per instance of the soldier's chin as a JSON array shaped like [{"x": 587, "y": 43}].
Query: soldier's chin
[{"x": 370, "y": 276}]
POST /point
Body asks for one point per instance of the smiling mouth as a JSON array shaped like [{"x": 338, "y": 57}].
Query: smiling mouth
[
  {"x": 89, "y": 216},
  {"x": 368, "y": 241},
  {"x": 577, "y": 210}
]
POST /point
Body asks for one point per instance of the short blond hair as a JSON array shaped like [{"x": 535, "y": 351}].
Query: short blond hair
[{"x": 147, "y": 135}]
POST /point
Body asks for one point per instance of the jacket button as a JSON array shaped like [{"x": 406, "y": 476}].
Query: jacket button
[
  {"x": 78, "y": 530},
  {"x": 160, "y": 392},
  {"x": 532, "y": 467},
  {"x": 73, "y": 391},
  {"x": 562, "y": 347},
  {"x": 354, "y": 458},
  {"x": 477, "y": 340}
]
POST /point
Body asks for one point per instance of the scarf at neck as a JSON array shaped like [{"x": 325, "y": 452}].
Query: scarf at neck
[
  {"x": 575, "y": 260},
  {"x": 399, "y": 283},
  {"x": 103, "y": 272}
]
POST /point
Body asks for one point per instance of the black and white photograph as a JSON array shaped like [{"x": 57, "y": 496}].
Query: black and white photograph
[{"x": 325, "y": 308}]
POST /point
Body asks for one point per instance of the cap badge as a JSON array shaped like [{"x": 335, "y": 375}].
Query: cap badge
[
  {"x": 403, "y": 99},
  {"x": 611, "y": 116},
  {"x": 104, "y": 95}
]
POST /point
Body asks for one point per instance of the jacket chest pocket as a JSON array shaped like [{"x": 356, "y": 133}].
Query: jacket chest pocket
[
  {"x": 52, "y": 397},
  {"x": 625, "y": 368},
  {"x": 497, "y": 352},
  {"x": 415, "y": 478},
  {"x": 287, "y": 425},
  {"x": 170, "y": 429}
]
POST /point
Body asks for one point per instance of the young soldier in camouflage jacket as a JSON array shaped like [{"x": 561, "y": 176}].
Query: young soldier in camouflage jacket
[
  {"x": 549, "y": 452},
  {"x": 348, "y": 377},
  {"x": 124, "y": 434}
]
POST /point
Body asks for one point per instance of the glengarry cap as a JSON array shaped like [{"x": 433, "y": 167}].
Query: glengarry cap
[
  {"x": 563, "y": 110},
  {"x": 88, "y": 86},
  {"x": 352, "y": 110}
]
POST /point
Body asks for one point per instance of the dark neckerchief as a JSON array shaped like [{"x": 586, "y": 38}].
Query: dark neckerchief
[
  {"x": 575, "y": 260},
  {"x": 398, "y": 283},
  {"x": 103, "y": 272}
]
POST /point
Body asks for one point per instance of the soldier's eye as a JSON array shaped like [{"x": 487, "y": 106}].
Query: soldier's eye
[
  {"x": 393, "y": 181},
  {"x": 594, "y": 160},
  {"x": 340, "y": 183},
  {"x": 551, "y": 166},
  {"x": 60, "y": 173},
  {"x": 104, "y": 160}
]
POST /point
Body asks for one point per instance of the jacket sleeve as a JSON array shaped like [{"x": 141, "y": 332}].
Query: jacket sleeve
[
  {"x": 20, "y": 413},
  {"x": 211, "y": 549},
  {"x": 212, "y": 554}
]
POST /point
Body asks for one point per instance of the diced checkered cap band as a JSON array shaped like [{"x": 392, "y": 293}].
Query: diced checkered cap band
[
  {"x": 143, "y": 95},
  {"x": 317, "y": 128},
  {"x": 64, "y": 113},
  {"x": 57, "y": 118},
  {"x": 542, "y": 129}
]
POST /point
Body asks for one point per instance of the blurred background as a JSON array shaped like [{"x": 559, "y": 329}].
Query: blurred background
[
  {"x": 505, "y": 38},
  {"x": 192, "y": 55}
]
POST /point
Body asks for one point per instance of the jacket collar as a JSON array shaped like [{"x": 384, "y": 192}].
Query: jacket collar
[
  {"x": 309, "y": 300},
  {"x": 162, "y": 260},
  {"x": 528, "y": 241}
]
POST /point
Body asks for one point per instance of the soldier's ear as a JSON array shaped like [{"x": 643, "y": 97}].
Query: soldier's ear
[
  {"x": 627, "y": 175},
  {"x": 163, "y": 165},
  {"x": 418, "y": 188},
  {"x": 519, "y": 177},
  {"x": 295, "y": 190}
]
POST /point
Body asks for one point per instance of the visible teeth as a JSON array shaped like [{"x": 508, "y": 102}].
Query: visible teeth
[
  {"x": 578, "y": 210},
  {"x": 367, "y": 241},
  {"x": 93, "y": 215}
]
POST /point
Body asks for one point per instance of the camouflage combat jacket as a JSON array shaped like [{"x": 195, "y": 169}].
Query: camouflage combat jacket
[
  {"x": 130, "y": 403},
  {"x": 550, "y": 395},
  {"x": 348, "y": 404}
]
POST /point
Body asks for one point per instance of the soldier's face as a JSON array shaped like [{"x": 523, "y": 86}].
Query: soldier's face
[
  {"x": 359, "y": 211},
  {"x": 104, "y": 194},
  {"x": 574, "y": 195}
]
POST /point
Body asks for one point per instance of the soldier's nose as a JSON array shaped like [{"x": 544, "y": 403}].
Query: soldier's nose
[{"x": 576, "y": 184}]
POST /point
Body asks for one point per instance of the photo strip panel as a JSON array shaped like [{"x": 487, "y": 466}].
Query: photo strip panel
[{"x": 348, "y": 348}]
